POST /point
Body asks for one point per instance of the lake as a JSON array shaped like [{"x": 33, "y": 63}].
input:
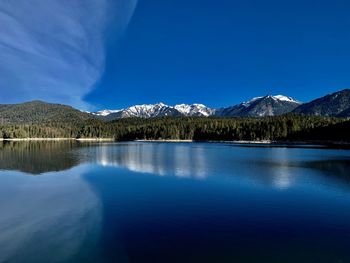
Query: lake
[{"x": 173, "y": 202}]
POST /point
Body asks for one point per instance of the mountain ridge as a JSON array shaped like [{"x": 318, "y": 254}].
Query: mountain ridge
[
  {"x": 274, "y": 105},
  {"x": 261, "y": 107},
  {"x": 336, "y": 104}
]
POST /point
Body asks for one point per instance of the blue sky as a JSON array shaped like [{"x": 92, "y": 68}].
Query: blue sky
[{"x": 116, "y": 53}]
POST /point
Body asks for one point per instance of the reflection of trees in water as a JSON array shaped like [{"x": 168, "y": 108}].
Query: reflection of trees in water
[
  {"x": 272, "y": 166},
  {"x": 47, "y": 156},
  {"x": 36, "y": 209},
  {"x": 38, "y": 157},
  {"x": 335, "y": 168}
]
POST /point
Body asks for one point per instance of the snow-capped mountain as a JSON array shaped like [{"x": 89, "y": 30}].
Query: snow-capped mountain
[
  {"x": 285, "y": 98},
  {"x": 148, "y": 111},
  {"x": 156, "y": 110},
  {"x": 260, "y": 107},
  {"x": 194, "y": 110},
  {"x": 276, "y": 98},
  {"x": 257, "y": 107}
]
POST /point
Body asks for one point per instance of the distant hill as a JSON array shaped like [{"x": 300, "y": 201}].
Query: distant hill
[
  {"x": 38, "y": 112},
  {"x": 261, "y": 107},
  {"x": 336, "y": 104}
]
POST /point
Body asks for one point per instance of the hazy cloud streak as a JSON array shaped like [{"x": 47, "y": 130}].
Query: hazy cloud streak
[{"x": 54, "y": 49}]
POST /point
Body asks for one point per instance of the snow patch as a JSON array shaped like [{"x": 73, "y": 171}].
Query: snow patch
[
  {"x": 194, "y": 110},
  {"x": 284, "y": 98},
  {"x": 105, "y": 112}
]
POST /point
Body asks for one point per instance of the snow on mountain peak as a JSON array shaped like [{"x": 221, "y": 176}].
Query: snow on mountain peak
[
  {"x": 276, "y": 97},
  {"x": 147, "y": 110},
  {"x": 284, "y": 98},
  {"x": 161, "y": 109},
  {"x": 104, "y": 113},
  {"x": 194, "y": 109},
  {"x": 249, "y": 102}
]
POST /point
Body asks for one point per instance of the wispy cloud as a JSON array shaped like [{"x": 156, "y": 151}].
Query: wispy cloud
[{"x": 55, "y": 49}]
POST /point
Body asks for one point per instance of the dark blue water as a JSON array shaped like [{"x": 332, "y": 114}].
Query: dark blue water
[{"x": 173, "y": 202}]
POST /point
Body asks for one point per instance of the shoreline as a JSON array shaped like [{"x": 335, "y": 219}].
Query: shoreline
[
  {"x": 335, "y": 144},
  {"x": 58, "y": 139},
  {"x": 165, "y": 140},
  {"x": 267, "y": 143},
  {"x": 264, "y": 142}
]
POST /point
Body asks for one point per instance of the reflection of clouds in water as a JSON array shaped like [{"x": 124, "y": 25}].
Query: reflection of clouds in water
[
  {"x": 50, "y": 215},
  {"x": 179, "y": 160}
]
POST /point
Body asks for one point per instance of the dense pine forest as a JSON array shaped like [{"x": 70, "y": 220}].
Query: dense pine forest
[{"x": 288, "y": 127}]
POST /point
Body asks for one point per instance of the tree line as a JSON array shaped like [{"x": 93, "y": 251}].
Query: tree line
[{"x": 286, "y": 127}]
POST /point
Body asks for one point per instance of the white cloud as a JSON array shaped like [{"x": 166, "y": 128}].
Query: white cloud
[{"x": 54, "y": 49}]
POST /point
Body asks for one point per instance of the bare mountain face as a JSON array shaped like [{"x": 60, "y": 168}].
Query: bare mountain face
[{"x": 336, "y": 104}]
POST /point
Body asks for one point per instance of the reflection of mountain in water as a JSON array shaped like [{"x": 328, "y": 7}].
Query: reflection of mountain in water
[
  {"x": 277, "y": 167},
  {"x": 156, "y": 158},
  {"x": 272, "y": 168},
  {"x": 38, "y": 157}
]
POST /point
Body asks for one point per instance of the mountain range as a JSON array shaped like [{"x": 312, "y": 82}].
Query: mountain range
[
  {"x": 336, "y": 105},
  {"x": 256, "y": 107},
  {"x": 36, "y": 112}
]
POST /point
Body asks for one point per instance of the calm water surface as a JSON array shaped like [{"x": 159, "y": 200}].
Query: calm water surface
[{"x": 173, "y": 202}]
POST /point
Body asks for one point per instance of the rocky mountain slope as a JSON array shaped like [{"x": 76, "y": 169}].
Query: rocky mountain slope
[{"x": 336, "y": 104}]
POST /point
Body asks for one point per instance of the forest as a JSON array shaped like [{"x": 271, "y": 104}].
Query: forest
[{"x": 289, "y": 127}]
